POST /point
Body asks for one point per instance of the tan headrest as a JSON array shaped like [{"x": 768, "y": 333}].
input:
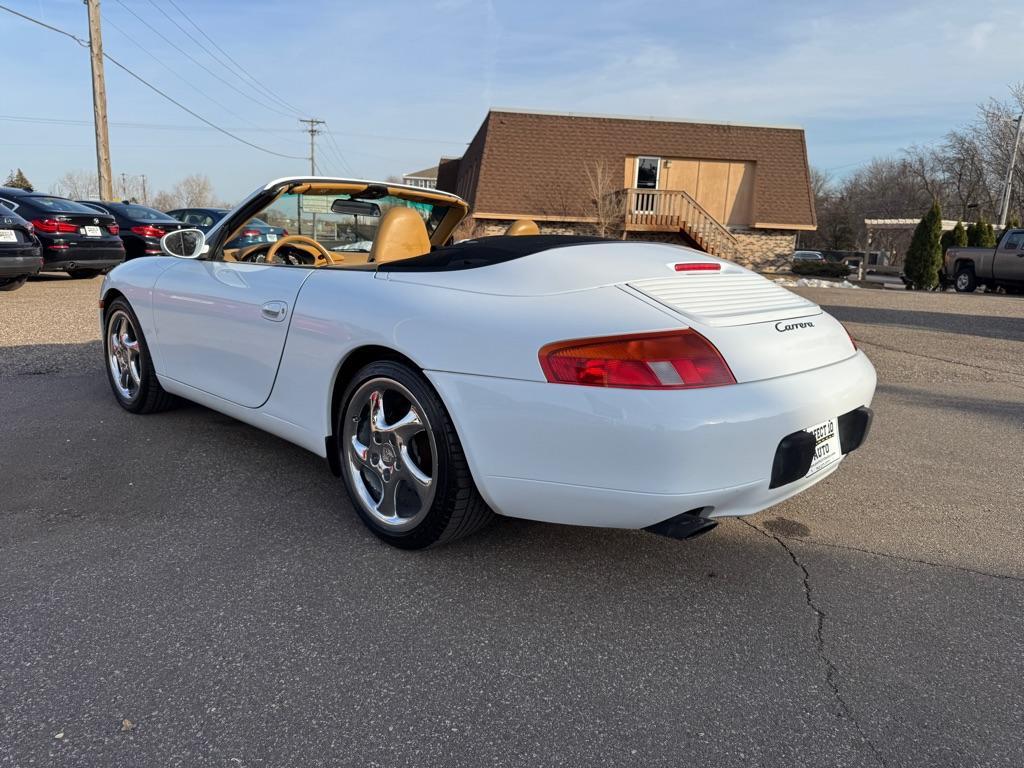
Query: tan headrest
[
  {"x": 523, "y": 227},
  {"x": 401, "y": 234}
]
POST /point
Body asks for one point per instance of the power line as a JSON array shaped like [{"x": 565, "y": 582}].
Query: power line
[
  {"x": 152, "y": 87},
  {"x": 174, "y": 72},
  {"x": 179, "y": 127},
  {"x": 336, "y": 149},
  {"x": 194, "y": 60},
  {"x": 238, "y": 67}
]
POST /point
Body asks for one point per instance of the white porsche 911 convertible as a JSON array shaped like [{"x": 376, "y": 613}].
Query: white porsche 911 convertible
[{"x": 558, "y": 378}]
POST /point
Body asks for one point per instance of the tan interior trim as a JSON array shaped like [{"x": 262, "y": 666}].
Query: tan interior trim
[
  {"x": 534, "y": 217},
  {"x": 801, "y": 227}
]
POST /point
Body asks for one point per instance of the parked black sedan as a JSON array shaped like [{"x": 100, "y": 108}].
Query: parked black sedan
[
  {"x": 141, "y": 227},
  {"x": 20, "y": 253},
  {"x": 76, "y": 239},
  {"x": 255, "y": 231}
]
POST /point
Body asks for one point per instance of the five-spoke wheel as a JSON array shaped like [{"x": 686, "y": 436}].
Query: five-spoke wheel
[
  {"x": 123, "y": 355},
  {"x": 129, "y": 366},
  {"x": 391, "y": 451},
  {"x": 402, "y": 461}
]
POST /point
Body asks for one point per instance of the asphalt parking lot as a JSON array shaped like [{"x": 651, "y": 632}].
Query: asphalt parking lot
[{"x": 182, "y": 589}]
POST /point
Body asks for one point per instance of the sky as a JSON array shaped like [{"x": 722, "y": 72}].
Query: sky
[{"x": 403, "y": 82}]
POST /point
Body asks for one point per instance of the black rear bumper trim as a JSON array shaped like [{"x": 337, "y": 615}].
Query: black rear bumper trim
[{"x": 795, "y": 453}]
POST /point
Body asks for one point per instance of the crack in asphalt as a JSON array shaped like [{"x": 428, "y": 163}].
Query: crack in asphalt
[
  {"x": 1012, "y": 374},
  {"x": 902, "y": 559},
  {"x": 831, "y": 672}
]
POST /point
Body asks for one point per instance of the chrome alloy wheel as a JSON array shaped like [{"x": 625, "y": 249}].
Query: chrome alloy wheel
[
  {"x": 963, "y": 280},
  {"x": 123, "y": 355},
  {"x": 390, "y": 454}
]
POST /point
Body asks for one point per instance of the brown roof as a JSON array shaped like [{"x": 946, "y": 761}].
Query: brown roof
[
  {"x": 532, "y": 163},
  {"x": 426, "y": 173}
]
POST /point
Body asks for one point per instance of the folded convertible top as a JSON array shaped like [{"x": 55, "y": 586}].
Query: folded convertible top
[{"x": 486, "y": 251}]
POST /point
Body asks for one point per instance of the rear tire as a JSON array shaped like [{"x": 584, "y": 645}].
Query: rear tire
[
  {"x": 965, "y": 280},
  {"x": 84, "y": 274},
  {"x": 402, "y": 462},
  {"x": 128, "y": 363},
  {"x": 13, "y": 283}
]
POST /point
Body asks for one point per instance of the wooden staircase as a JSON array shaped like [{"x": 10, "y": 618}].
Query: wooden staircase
[{"x": 670, "y": 210}]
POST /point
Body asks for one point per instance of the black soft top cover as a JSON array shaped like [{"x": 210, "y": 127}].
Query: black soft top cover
[{"x": 485, "y": 251}]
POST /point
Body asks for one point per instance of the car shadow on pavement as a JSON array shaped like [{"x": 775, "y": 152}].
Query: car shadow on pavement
[
  {"x": 1005, "y": 328},
  {"x": 51, "y": 359},
  {"x": 1003, "y": 410}
]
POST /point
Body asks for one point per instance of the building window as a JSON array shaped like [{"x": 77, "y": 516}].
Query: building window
[{"x": 647, "y": 170}]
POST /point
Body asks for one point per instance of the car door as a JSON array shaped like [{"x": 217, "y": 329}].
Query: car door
[
  {"x": 1009, "y": 264},
  {"x": 221, "y": 326}
]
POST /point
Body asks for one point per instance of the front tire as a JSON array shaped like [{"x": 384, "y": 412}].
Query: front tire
[
  {"x": 128, "y": 363},
  {"x": 13, "y": 283},
  {"x": 402, "y": 461},
  {"x": 84, "y": 274},
  {"x": 965, "y": 281}
]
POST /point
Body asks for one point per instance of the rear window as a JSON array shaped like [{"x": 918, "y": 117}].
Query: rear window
[
  {"x": 141, "y": 212},
  {"x": 58, "y": 204}
]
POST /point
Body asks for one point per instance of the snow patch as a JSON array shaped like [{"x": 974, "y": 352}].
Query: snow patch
[{"x": 813, "y": 282}]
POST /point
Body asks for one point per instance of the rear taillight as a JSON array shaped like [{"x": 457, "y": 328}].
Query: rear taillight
[
  {"x": 52, "y": 226},
  {"x": 852, "y": 340},
  {"x": 113, "y": 228},
  {"x": 147, "y": 231},
  {"x": 251, "y": 233},
  {"x": 284, "y": 233},
  {"x": 667, "y": 360}
]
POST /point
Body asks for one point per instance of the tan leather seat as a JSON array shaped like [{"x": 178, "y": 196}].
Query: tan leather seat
[
  {"x": 401, "y": 234},
  {"x": 523, "y": 227}
]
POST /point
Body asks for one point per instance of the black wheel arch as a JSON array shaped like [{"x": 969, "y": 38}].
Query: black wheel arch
[{"x": 347, "y": 368}]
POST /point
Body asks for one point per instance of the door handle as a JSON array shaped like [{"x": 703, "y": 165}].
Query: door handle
[{"x": 274, "y": 311}]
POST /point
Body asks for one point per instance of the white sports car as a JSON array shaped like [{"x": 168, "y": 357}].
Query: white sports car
[{"x": 558, "y": 378}]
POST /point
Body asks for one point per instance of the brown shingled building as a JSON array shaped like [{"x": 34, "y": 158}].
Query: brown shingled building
[{"x": 738, "y": 191}]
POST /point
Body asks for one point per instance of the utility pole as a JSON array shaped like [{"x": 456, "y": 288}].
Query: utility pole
[
  {"x": 313, "y": 131},
  {"x": 124, "y": 186},
  {"x": 99, "y": 101},
  {"x": 145, "y": 197},
  {"x": 1004, "y": 210}
]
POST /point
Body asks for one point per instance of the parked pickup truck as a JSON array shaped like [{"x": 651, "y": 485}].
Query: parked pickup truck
[{"x": 967, "y": 268}]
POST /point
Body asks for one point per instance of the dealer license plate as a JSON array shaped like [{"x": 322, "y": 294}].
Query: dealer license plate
[
  {"x": 271, "y": 237},
  {"x": 826, "y": 450},
  {"x": 91, "y": 231},
  {"x": 8, "y": 236}
]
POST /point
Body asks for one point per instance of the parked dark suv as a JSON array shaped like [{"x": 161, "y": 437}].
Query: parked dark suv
[
  {"x": 20, "y": 255},
  {"x": 256, "y": 230},
  {"x": 141, "y": 227},
  {"x": 76, "y": 239}
]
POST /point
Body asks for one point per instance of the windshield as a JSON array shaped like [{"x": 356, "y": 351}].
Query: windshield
[{"x": 313, "y": 214}]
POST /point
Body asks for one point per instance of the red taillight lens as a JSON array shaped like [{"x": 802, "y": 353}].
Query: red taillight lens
[
  {"x": 852, "y": 340},
  {"x": 52, "y": 226},
  {"x": 147, "y": 231},
  {"x": 113, "y": 228},
  {"x": 668, "y": 360},
  {"x": 698, "y": 266},
  {"x": 251, "y": 233},
  {"x": 284, "y": 233}
]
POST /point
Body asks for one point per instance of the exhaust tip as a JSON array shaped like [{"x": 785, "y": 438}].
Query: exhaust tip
[{"x": 688, "y": 525}]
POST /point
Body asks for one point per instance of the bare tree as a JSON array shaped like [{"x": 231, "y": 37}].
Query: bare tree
[
  {"x": 78, "y": 185},
  {"x": 165, "y": 201},
  {"x": 607, "y": 203},
  {"x": 194, "y": 191}
]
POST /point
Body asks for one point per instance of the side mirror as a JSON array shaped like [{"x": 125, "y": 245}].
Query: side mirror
[{"x": 183, "y": 243}]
